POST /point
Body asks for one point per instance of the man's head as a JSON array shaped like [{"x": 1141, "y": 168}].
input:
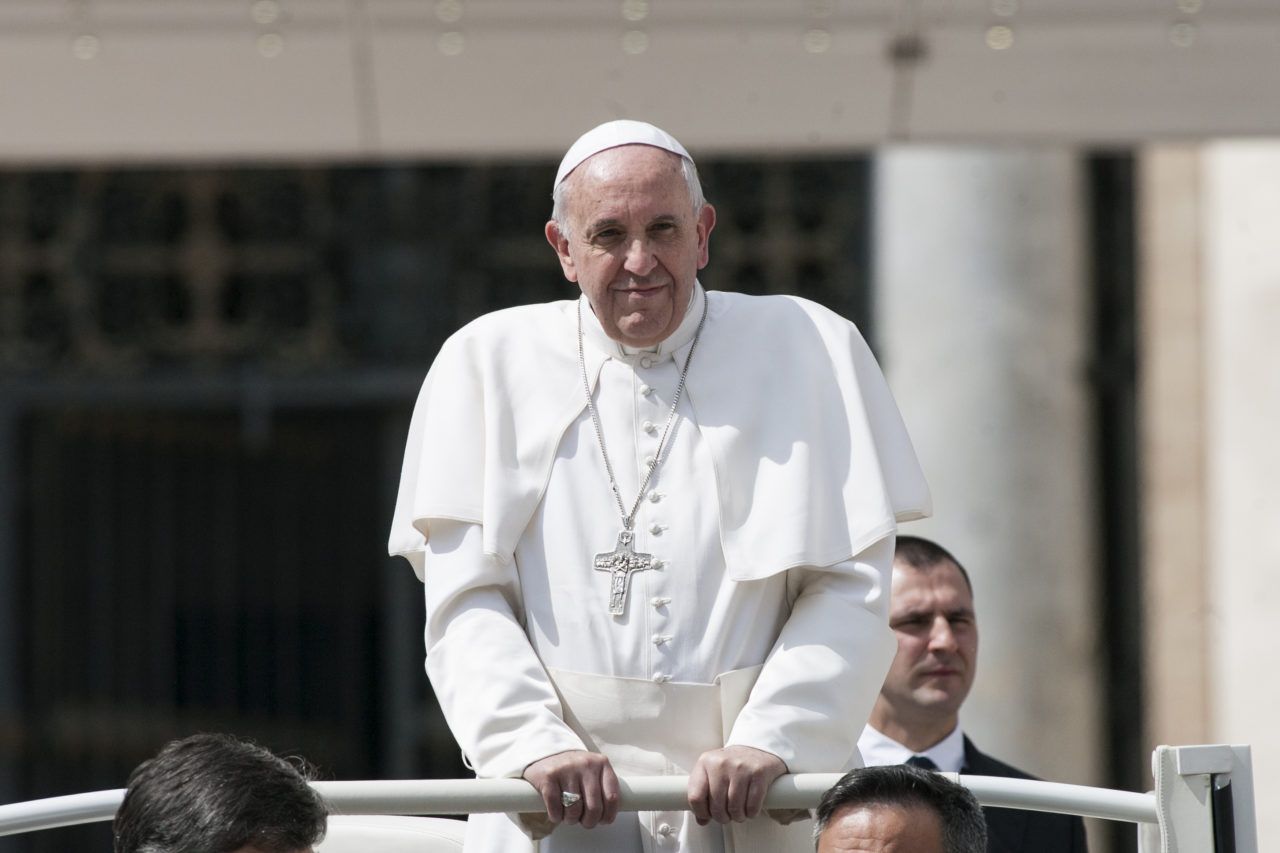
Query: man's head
[
  {"x": 931, "y": 613},
  {"x": 631, "y": 228},
  {"x": 898, "y": 809},
  {"x": 212, "y": 793}
]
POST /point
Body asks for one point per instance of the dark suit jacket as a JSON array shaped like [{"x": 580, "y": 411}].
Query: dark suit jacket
[{"x": 1019, "y": 830}]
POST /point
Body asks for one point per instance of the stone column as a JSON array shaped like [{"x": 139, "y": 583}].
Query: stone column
[
  {"x": 982, "y": 324},
  {"x": 1171, "y": 391},
  {"x": 1242, "y": 386}
]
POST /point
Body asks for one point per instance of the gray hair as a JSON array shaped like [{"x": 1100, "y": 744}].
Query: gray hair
[
  {"x": 687, "y": 169},
  {"x": 964, "y": 830}
]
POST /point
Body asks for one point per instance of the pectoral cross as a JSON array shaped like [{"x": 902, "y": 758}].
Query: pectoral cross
[{"x": 621, "y": 562}]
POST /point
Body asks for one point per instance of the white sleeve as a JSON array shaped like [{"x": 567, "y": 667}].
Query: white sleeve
[
  {"x": 493, "y": 689},
  {"x": 820, "y": 681}
]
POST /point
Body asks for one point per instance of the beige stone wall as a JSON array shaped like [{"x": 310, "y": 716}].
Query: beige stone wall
[{"x": 1211, "y": 452}]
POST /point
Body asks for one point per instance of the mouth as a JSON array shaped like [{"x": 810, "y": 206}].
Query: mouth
[{"x": 640, "y": 289}]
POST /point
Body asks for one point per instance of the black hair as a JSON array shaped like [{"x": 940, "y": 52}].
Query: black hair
[
  {"x": 214, "y": 793},
  {"x": 964, "y": 830},
  {"x": 923, "y": 554}
]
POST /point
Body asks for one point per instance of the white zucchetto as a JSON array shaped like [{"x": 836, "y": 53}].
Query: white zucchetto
[{"x": 611, "y": 134}]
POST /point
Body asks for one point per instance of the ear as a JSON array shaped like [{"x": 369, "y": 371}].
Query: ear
[
  {"x": 706, "y": 222},
  {"x": 560, "y": 242}
]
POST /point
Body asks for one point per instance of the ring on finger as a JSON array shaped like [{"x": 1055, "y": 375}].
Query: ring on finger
[{"x": 568, "y": 798}]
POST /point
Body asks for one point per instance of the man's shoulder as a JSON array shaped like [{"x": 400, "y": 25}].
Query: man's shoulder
[
  {"x": 979, "y": 763},
  {"x": 503, "y": 334},
  {"x": 773, "y": 304},
  {"x": 518, "y": 320},
  {"x": 1019, "y": 830},
  {"x": 520, "y": 343},
  {"x": 751, "y": 319}
]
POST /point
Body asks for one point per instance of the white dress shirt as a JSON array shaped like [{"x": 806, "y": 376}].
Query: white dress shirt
[{"x": 879, "y": 749}]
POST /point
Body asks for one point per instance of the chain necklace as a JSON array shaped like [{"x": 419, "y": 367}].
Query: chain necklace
[{"x": 623, "y": 559}]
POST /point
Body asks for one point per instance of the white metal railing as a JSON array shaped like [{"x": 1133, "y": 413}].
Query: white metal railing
[
  {"x": 648, "y": 793},
  {"x": 1178, "y": 808}
]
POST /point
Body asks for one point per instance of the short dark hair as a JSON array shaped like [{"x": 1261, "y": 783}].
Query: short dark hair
[
  {"x": 964, "y": 830},
  {"x": 214, "y": 793},
  {"x": 923, "y": 554}
]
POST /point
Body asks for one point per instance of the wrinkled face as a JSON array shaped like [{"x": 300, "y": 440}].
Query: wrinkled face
[
  {"x": 634, "y": 244},
  {"x": 931, "y": 613},
  {"x": 882, "y": 829}
]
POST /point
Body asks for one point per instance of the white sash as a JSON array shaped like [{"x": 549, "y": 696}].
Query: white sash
[{"x": 653, "y": 729}]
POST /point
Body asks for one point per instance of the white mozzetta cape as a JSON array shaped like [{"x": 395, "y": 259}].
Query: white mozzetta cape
[{"x": 812, "y": 462}]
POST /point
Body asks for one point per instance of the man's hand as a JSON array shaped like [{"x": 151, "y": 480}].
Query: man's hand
[
  {"x": 587, "y": 774},
  {"x": 730, "y": 783}
]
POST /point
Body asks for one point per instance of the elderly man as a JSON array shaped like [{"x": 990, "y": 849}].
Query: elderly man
[
  {"x": 212, "y": 793},
  {"x": 898, "y": 810},
  {"x": 654, "y": 524},
  {"x": 916, "y": 719}
]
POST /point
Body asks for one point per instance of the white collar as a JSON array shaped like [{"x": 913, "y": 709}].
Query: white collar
[
  {"x": 879, "y": 749},
  {"x": 595, "y": 334}
]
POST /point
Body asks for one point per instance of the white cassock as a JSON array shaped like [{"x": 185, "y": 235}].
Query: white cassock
[{"x": 771, "y": 517}]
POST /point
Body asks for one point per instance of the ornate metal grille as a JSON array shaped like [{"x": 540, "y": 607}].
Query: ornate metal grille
[
  {"x": 121, "y": 272},
  {"x": 798, "y": 227}
]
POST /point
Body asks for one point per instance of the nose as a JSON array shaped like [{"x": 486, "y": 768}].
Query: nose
[
  {"x": 640, "y": 260},
  {"x": 942, "y": 638}
]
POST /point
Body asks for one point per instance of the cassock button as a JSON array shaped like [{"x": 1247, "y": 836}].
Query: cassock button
[
  {"x": 646, "y": 362},
  {"x": 648, "y": 462},
  {"x": 659, "y": 601},
  {"x": 654, "y": 497},
  {"x": 661, "y": 679},
  {"x": 645, "y": 390},
  {"x": 649, "y": 427},
  {"x": 665, "y": 829},
  {"x": 656, "y": 529}
]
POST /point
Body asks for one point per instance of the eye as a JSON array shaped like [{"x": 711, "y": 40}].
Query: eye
[{"x": 607, "y": 235}]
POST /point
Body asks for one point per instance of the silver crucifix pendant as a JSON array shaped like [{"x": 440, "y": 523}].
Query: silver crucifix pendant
[{"x": 621, "y": 562}]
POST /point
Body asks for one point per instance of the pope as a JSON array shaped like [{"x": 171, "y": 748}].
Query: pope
[{"x": 655, "y": 526}]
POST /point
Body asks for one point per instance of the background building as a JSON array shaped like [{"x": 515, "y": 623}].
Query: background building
[{"x": 233, "y": 234}]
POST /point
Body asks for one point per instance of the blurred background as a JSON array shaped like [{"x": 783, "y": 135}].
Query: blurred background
[{"x": 233, "y": 234}]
